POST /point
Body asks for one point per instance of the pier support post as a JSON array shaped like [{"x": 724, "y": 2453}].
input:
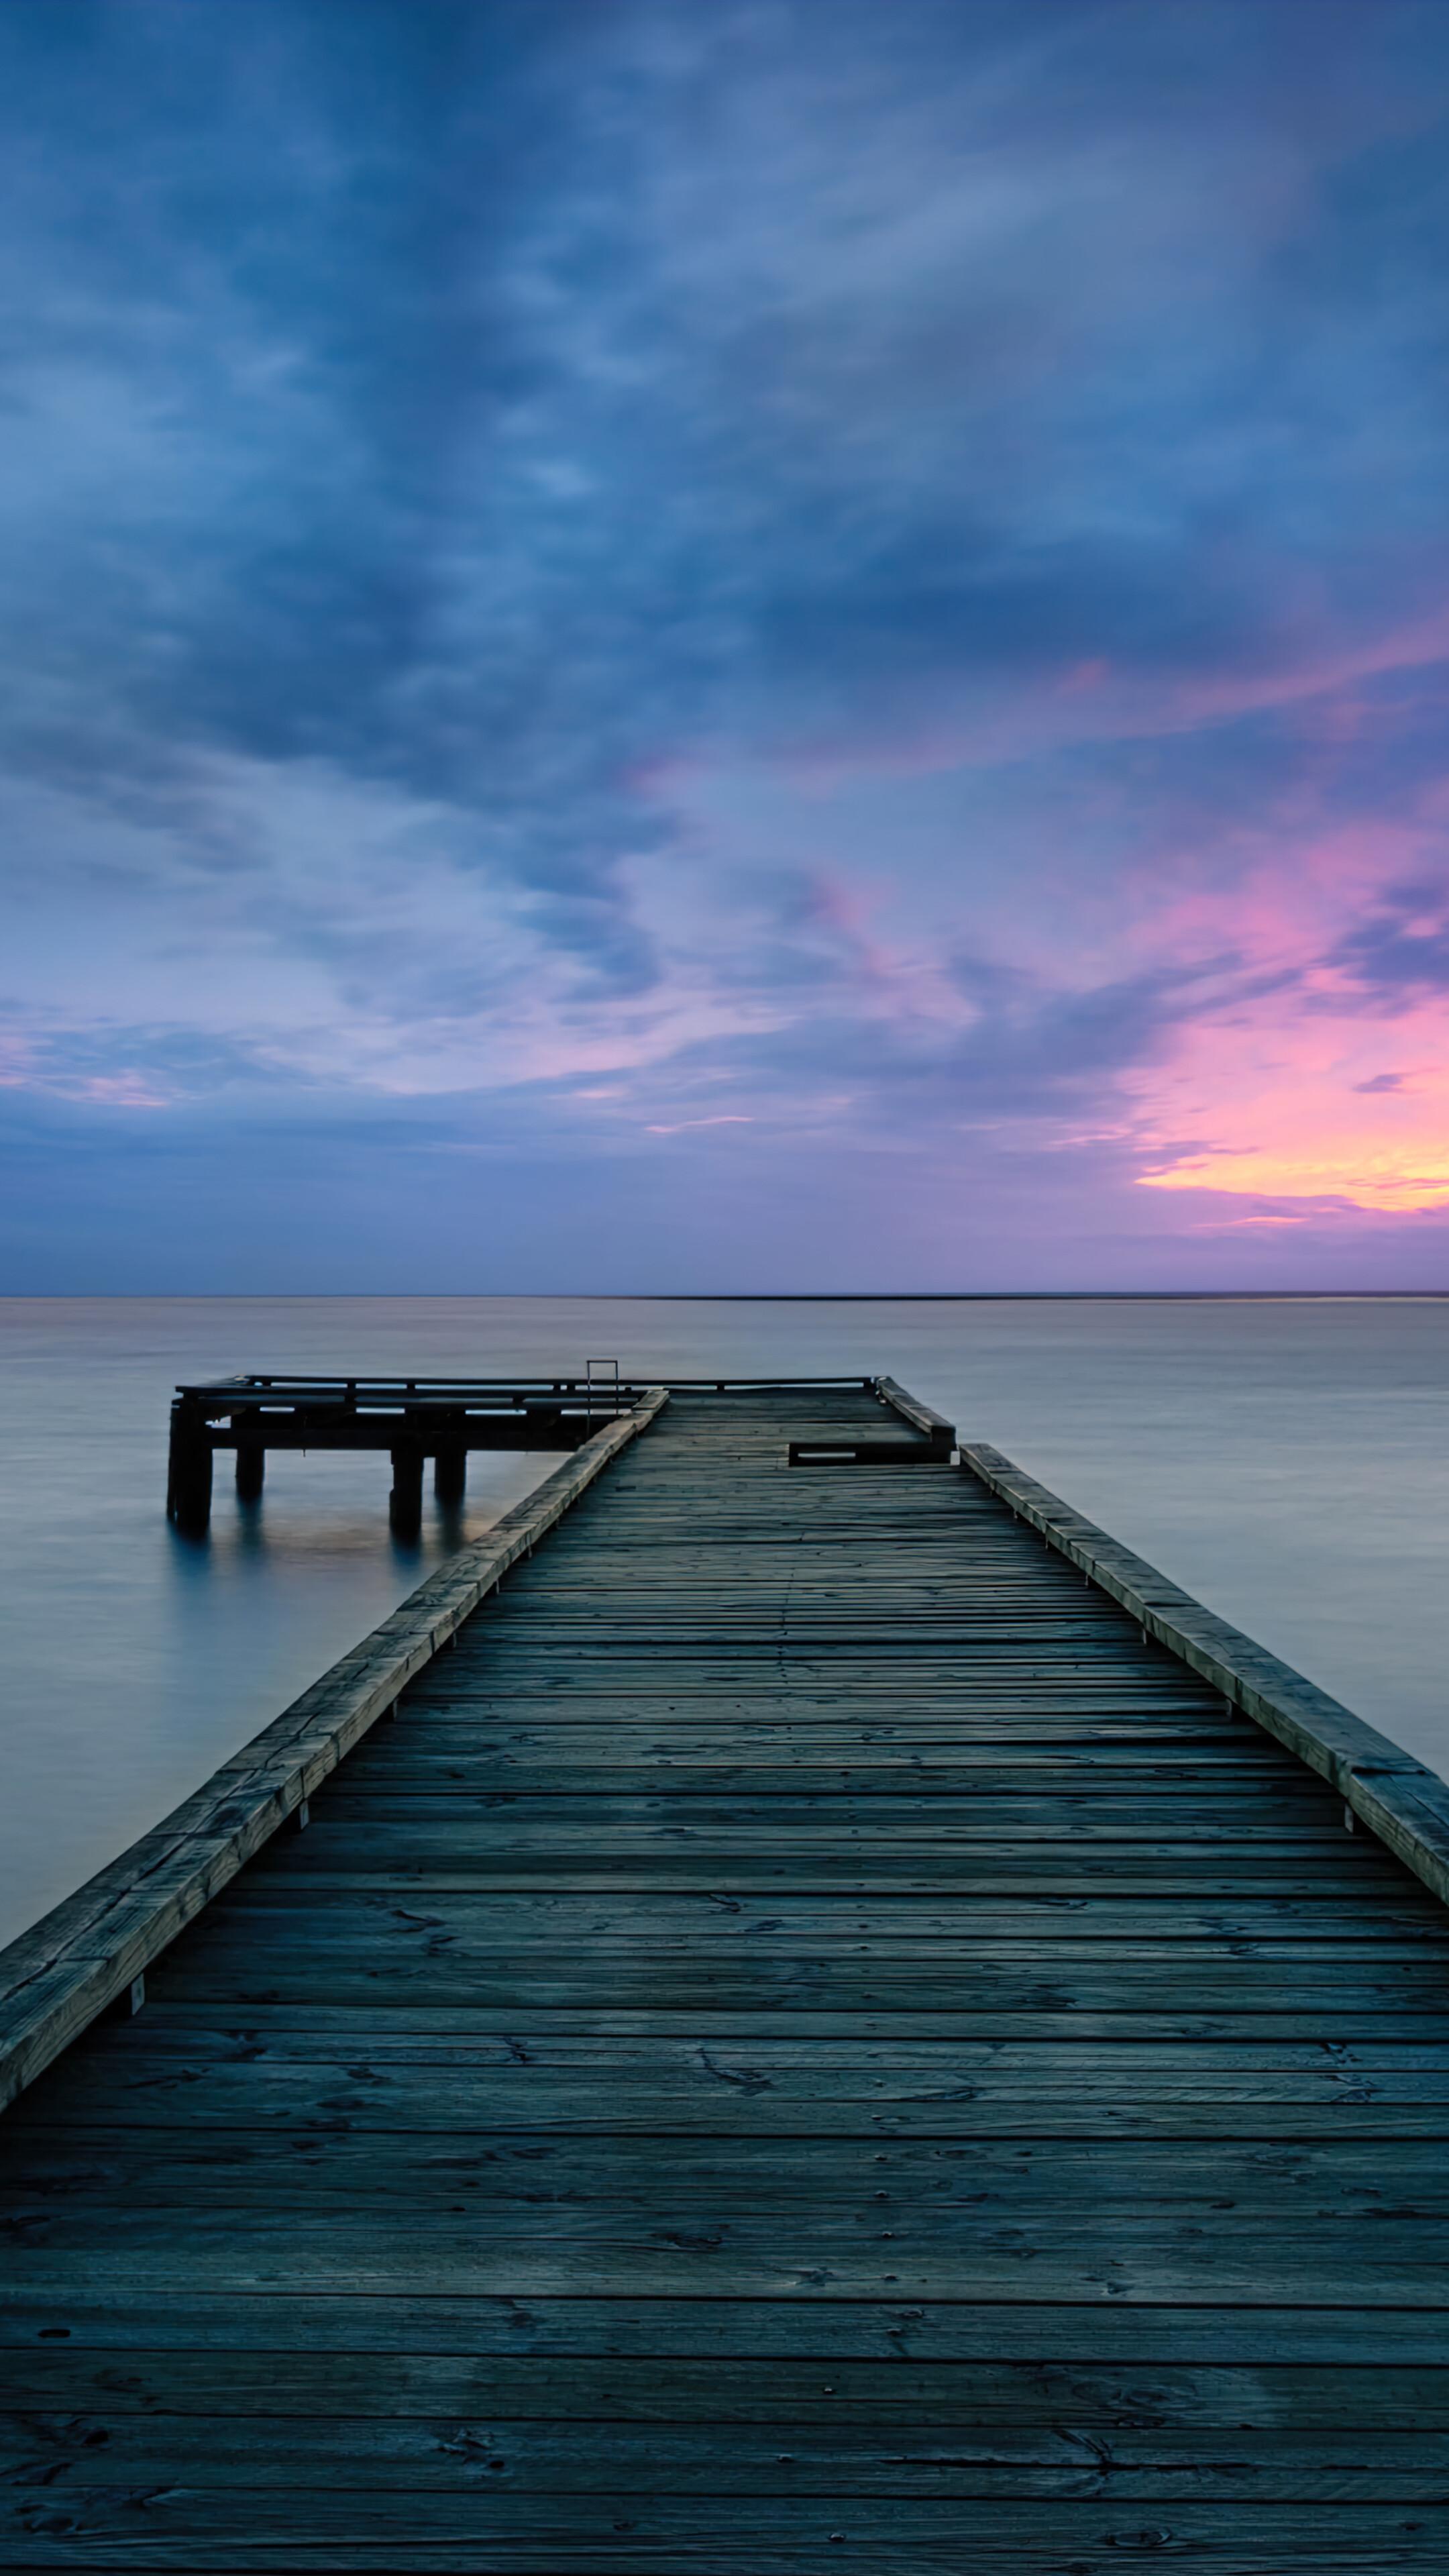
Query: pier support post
[
  {"x": 251, "y": 1470},
  {"x": 405, "y": 1502},
  {"x": 188, "y": 1471},
  {"x": 450, "y": 1473}
]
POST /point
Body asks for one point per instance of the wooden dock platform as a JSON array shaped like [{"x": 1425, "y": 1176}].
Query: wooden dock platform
[
  {"x": 841, "y": 2027},
  {"x": 412, "y": 1419}
]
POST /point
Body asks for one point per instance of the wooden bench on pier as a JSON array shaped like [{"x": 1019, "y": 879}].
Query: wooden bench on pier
[{"x": 821, "y": 2020}]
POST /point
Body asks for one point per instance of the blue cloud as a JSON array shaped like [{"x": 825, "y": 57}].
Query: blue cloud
[{"x": 1401, "y": 952}]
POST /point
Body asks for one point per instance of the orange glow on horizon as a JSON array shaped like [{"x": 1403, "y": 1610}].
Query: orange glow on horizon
[
  {"x": 1309, "y": 1105},
  {"x": 1337, "y": 1168}
]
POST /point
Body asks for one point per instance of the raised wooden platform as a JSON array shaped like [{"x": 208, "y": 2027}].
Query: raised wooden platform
[
  {"x": 811, "y": 2043},
  {"x": 417, "y": 1418},
  {"x": 412, "y": 1419}
]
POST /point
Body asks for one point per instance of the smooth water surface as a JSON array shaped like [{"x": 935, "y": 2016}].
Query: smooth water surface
[{"x": 1286, "y": 1460}]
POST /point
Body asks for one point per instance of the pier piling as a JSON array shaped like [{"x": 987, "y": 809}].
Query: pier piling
[
  {"x": 450, "y": 1474},
  {"x": 188, "y": 1470},
  {"x": 251, "y": 1471},
  {"x": 405, "y": 1502}
]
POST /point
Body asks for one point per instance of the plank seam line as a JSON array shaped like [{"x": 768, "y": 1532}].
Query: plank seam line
[
  {"x": 83, "y": 1955},
  {"x": 1403, "y": 1802}
]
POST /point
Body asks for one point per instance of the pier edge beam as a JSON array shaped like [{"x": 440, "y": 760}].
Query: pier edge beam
[
  {"x": 188, "y": 1471},
  {"x": 405, "y": 1502}
]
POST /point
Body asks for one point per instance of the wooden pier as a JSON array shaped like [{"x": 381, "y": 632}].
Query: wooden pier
[
  {"x": 841, "y": 2027},
  {"x": 412, "y": 1418}
]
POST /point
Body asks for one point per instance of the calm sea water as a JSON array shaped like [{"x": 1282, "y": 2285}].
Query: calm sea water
[{"x": 1285, "y": 1459}]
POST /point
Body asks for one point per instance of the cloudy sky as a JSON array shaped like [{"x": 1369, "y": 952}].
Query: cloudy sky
[{"x": 700, "y": 644}]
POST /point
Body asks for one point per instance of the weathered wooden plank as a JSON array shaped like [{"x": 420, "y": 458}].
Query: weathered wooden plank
[
  {"x": 501, "y": 1816},
  {"x": 775, "y": 2536},
  {"x": 837, "y": 2332},
  {"x": 1266, "y": 2108},
  {"x": 639, "y": 1982},
  {"x": 1164, "y": 2400},
  {"x": 1371, "y": 1915},
  {"x": 662, "y": 2174},
  {"x": 504, "y": 1993},
  {"x": 1113, "y": 2044},
  {"x": 1047, "y": 2255},
  {"x": 1400, "y": 1799},
  {"x": 1334, "y": 2038},
  {"x": 940, "y": 1432},
  {"x": 749, "y": 1774},
  {"x": 344, "y": 1927},
  {"x": 502, "y": 2455}
]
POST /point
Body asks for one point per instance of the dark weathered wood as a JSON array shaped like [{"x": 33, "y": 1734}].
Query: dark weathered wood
[
  {"x": 665, "y": 2177},
  {"x": 188, "y": 1470},
  {"x": 837, "y": 1449},
  {"x": 842, "y": 2333},
  {"x": 936, "y": 2457},
  {"x": 405, "y": 1502},
  {"x": 632, "y": 2530},
  {"x": 940, "y": 1433},
  {"x": 1401, "y": 1800},
  {"x": 1163, "y": 2402},
  {"x": 251, "y": 1470},
  {"x": 413, "y": 1419},
  {"x": 813, "y": 2042},
  {"x": 450, "y": 1473}
]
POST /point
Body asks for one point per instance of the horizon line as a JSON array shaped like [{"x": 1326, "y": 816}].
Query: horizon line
[{"x": 719, "y": 1297}]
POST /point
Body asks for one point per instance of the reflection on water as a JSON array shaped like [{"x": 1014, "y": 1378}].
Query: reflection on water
[{"x": 1286, "y": 1460}]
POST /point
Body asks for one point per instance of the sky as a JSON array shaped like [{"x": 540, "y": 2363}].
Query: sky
[{"x": 724, "y": 645}]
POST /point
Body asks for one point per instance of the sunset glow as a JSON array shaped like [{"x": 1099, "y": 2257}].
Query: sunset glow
[{"x": 1305, "y": 1157}]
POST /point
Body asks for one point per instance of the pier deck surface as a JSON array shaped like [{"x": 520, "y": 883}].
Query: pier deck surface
[{"x": 807, "y": 2046}]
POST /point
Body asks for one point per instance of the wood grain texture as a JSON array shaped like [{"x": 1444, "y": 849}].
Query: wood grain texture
[
  {"x": 922, "y": 1417},
  {"x": 813, "y": 2042},
  {"x": 1400, "y": 1799}
]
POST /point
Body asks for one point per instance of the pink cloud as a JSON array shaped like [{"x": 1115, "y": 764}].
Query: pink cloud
[
  {"x": 38, "y": 1064},
  {"x": 1294, "y": 1100},
  {"x": 677, "y": 1126},
  {"x": 1082, "y": 677}
]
